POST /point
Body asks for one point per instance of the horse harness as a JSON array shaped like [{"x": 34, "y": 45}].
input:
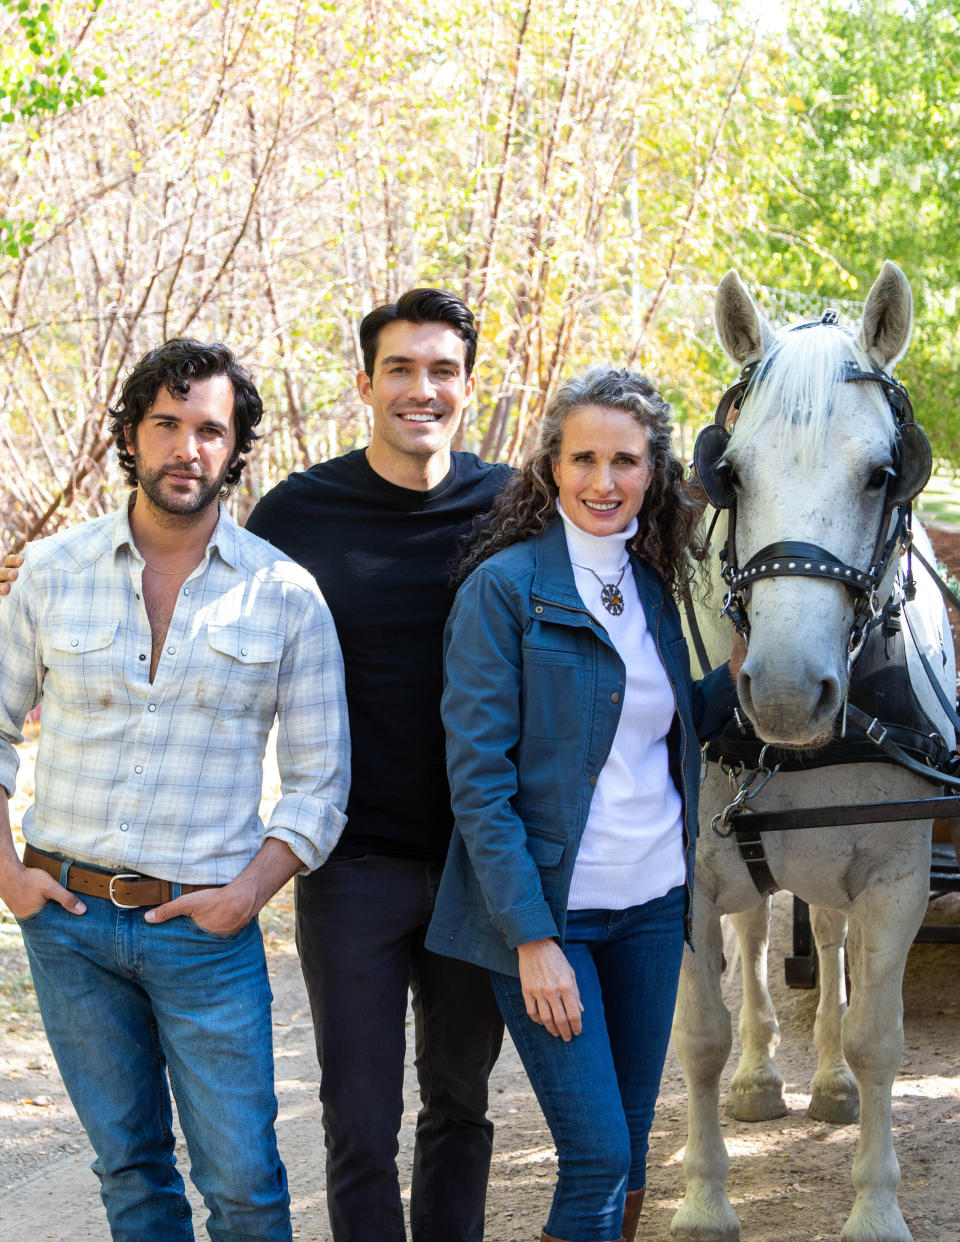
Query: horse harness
[{"x": 878, "y": 689}]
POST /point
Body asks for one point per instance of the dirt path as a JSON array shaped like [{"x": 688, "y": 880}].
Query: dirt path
[{"x": 790, "y": 1178}]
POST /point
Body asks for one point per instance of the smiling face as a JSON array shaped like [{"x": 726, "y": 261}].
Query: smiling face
[
  {"x": 417, "y": 393},
  {"x": 184, "y": 447},
  {"x": 603, "y": 470}
]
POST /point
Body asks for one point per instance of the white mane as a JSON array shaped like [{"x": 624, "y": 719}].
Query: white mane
[{"x": 795, "y": 387}]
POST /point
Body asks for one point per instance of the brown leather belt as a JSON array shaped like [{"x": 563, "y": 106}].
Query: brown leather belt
[{"x": 126, "y": 889}]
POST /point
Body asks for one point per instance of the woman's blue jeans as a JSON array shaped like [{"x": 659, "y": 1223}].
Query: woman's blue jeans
[
  {"x": 125, "y": 1004},
  {"x": 598, "y": 1092}
]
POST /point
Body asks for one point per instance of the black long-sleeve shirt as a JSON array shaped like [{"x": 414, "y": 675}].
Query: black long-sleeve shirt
[{"x": 381, "y": 556}]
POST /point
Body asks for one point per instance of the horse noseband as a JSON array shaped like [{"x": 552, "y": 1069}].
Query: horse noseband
[{"x": 791, "y": 558}]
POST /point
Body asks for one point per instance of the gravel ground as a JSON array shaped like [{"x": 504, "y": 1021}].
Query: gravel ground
[{"x": 790, "y": 1179}]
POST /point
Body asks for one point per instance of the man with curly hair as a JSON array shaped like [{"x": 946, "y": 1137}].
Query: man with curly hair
[{"x": 163, "y": 641}]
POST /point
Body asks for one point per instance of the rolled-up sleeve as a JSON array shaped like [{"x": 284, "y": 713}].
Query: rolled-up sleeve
[
  {"x": 21, "y": 673},
  {"x": 482, "y": 717},
  {"x": 313, "y": 739}
]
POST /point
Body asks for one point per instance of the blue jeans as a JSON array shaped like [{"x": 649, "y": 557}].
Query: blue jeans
[
  {"x": 361, "y": 924},
  {"x": 598, "y": 1092},
  {"x": 125, "y": 1005}
]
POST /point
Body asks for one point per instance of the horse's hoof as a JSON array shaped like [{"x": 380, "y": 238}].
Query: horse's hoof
[
  {"x": 757, "y": 1104},
  {"x": 870, "y": 1226},
  {"x": 702, "y": 1231},
  {"x": 683, "y": 1229},
  {"x": 836, "y": 1110}
]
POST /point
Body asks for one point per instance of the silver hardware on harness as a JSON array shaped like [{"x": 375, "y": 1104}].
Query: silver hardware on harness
[{"x": 755, "y": 782}]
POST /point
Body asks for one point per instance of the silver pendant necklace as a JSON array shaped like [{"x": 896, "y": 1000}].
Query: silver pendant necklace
[{"x": 611, "y": 596}]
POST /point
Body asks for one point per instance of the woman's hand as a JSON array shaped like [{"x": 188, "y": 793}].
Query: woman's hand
[{"x": 550, "y": 988}]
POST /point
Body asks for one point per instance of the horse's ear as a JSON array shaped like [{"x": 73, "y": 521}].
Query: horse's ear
[
  {"x": 887, "y": 318},
  {"x": 743, "y": 330}
]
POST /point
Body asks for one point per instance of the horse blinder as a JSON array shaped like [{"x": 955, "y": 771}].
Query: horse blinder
[
  {"x": 913, "y": 466},
  {"x": 712, "y": 471}
]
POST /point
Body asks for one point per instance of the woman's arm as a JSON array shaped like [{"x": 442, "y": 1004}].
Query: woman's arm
[
  {"x": 482, "y": 715},
  {"x": 482, "y": 712}
]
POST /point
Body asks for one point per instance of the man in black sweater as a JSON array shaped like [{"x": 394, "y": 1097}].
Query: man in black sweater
[{"x": 377, "y": 529}]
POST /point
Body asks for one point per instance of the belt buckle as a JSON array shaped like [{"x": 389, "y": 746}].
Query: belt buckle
[{"x": 123, "y": 875}]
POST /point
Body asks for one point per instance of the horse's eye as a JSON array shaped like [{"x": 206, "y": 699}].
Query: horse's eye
[{"x": 879, "y": 478}]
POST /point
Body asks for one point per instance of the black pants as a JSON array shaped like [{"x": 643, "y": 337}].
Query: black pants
[{"x": 360, "y": 931}]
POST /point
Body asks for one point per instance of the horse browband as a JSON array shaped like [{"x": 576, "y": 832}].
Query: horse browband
[{"x": 897, "y": 396}]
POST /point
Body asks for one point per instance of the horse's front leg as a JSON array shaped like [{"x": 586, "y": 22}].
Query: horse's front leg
[
  {"x": 834, "y": 1097},
  {"x": 883, "y": 923},
  {"x": 756, "y": 1092},
  {"x": 702, "y": 1037}
]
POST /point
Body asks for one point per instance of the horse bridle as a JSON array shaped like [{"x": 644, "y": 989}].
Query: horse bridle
[
  {"x": 795, "y": 558},
  {"x": 808, "y": 560}
]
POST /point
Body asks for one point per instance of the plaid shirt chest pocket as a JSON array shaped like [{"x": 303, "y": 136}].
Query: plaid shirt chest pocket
[
  {"x": 240, "y": 669},
  {"x": 82, "y": 662}
]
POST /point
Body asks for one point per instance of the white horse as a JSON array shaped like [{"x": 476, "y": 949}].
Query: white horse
[{"x": 809, "y": 459}]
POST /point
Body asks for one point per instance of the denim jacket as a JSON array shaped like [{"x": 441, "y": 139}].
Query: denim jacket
[{"x": 531, "y": 704}]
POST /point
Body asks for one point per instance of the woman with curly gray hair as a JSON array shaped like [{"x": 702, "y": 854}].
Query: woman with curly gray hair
[
  {"x": 573, "y": 730},
  {"x": 528, "y": 504}
]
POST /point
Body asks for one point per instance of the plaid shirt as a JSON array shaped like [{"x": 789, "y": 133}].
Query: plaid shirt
[{"x": 164, "y": 778}]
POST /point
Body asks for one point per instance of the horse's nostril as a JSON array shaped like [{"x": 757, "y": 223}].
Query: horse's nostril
[{"x": 829, "y": 697}]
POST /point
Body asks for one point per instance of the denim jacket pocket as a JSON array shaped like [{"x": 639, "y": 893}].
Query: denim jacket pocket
[{"x": 551, "y": 695}]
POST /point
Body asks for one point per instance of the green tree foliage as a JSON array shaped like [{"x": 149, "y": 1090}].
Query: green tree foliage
[
  {"x": 873, "y": 85},
  {"x": 36, "y": 80}
]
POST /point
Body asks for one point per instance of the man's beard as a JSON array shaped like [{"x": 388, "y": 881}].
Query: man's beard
[{"x": 150, "y": 483}]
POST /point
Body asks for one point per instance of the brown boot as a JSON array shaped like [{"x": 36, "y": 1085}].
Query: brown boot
[{"x": 631, "y": 1214}]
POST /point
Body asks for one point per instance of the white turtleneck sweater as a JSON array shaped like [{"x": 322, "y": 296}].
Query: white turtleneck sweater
[{"x": 632, "y": 846}]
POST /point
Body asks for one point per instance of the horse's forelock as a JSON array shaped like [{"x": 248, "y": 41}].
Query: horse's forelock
[{"x": 795, "y": 388}]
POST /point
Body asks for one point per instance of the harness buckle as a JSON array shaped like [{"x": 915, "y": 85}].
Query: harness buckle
[{"x": 876, "y": 732}]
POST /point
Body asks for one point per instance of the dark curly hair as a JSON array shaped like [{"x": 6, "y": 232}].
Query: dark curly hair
[
  {"x": 421, "y": 306},
  {"x": 528, "y": 504},
  {"x": 172, "y": 366}
]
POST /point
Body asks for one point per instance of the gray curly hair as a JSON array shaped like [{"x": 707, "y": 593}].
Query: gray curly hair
[{"x": 527, "y": 505}]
